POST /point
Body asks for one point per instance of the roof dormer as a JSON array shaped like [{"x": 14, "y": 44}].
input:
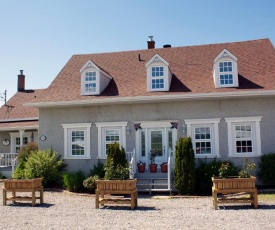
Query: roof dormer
[
  {"x": 159, "y": 75},
  {"x": 93, "y": 79},
  {"x": 225, "y": 70}
]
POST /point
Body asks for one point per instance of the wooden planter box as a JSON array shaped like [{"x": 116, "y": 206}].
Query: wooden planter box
[
  {"x": 116, "y": 187},
  {"x": 234, "y": 185},
  {"x": 23, "y": 185}
]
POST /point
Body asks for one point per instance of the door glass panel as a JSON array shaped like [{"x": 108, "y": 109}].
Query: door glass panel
[
  {"x": 170, "y": 142},
  {"x": 156, "y": 142},
  {"x": 143, "y": 143}
]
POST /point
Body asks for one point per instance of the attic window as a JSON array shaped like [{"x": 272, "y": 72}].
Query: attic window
[
  {"x": 226, "y": 73},
  {"x": 157, "y": 77},
  {"x": 225, "y": 70},
  {"x": 90, "y": 82}
]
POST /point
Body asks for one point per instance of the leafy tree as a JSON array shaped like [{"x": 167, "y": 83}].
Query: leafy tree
[{"x": 185, "y": 167}]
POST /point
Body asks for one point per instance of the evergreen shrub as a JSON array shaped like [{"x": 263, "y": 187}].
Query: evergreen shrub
[
  {"x": 184, "y": 167},
  {"x": 267, "y": 169},
  {"x": 116, "y": 166},
  {"x": 73, "y": 181}
]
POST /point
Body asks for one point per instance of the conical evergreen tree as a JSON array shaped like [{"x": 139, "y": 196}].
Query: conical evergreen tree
[{"x": 185, "y": 167}]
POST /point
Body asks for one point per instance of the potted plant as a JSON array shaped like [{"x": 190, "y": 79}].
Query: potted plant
[
  {"x": 153, "y": 166},
  {"x": 141, "y": 166},
  {"x": 163, "y": 167}
]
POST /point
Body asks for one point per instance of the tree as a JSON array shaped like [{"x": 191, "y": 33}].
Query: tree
[
  {"x": 116, "y": 166},
  {"x": 185, "y": 166}
]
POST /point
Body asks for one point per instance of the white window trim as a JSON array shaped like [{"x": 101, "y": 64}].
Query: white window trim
[
  {"x": 90, "y": 82},
  {"x": 110, "y": 125},
  {"x": 87, "y": 140},
  {"x": 214, "y": 124},
  {"x": 255, "y": 122}
]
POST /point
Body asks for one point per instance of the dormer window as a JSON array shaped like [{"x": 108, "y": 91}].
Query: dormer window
[
  {"x": 159, "y": 75},
  {"x": 90, "y": 82},
  {"x": 93, "y": 79},
  {"x": 225, "y": 71}
]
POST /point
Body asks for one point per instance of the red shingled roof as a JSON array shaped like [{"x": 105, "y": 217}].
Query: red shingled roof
[{"x": 191, "y": 67}]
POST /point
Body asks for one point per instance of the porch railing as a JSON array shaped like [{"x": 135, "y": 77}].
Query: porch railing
[
  {"x": 8, "y": 159},
  {"x": 133, "y": 164}
]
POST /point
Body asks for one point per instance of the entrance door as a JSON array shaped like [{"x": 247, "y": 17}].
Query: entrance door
[{"x": 157, "y": 144}]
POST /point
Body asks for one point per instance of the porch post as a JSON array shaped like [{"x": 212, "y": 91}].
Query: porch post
[{"x": 21, "y": 133}]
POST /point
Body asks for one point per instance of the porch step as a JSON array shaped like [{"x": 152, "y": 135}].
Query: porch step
[{"x": 152, "y": 184}]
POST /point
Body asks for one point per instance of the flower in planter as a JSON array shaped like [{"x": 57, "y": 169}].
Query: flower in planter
[
  {"x": 247, "y": 169},
  {"x": 224, "y": 170}
]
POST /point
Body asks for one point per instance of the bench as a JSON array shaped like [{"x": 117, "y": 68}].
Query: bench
[
  {"x": 19, "y": 186},
  {"x": 107, "y": 188},
  {"x": 252, "y": 199}
]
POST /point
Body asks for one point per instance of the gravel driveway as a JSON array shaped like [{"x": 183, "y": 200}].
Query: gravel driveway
[{"x": 64, "y": 210}]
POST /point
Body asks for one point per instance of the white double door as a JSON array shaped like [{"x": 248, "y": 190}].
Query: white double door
[{"x": 156, "y": 140}]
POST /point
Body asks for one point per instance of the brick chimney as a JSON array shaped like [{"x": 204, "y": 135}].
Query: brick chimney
[
  {"x": 21, "y": 82},
  {"x": 151, "y": 43}
]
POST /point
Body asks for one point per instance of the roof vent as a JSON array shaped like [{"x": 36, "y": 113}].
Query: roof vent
[{"x": 167, "y": 46}]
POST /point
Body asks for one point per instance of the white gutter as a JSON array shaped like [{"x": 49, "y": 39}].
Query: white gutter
[
  {"x": 19, "y": 119},
  {"x": 19, "y": 127},
  {"x": 152, "y": 99}
]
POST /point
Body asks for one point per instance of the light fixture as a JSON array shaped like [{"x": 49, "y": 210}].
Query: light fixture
[
  {"x": 183, "y": 129},
  {"x": 174, "y": 125},
  {"x": 127, "y": 130},
  {"x": 137, "y": 126}
]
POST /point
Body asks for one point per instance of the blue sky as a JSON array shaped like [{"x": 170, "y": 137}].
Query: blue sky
[{"x": 39, "y": 37}]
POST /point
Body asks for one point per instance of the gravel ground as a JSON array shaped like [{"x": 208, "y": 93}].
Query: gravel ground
[{"x": 64, "y": 210}]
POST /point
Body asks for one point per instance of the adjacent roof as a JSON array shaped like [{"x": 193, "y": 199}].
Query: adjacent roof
[{"x": 14, "y": 114}]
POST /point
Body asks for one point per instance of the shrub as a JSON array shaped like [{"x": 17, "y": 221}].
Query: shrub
[
  {"x": 90, "y": 184},
  {"x": 116, "y": 166},
  {"x": 98, "y": 170},
  {"x": 267, "y": 168},
  {"x": 206, "y": 170},
  {"x": 23, "y": 154},
  {"x": 73, "y": 181},
  {"x": 19, "y": 172},
  {"x": 26, "y": 150},
  {"x": 45, "y": 164},
  {"x": 184, "y": 166}
]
